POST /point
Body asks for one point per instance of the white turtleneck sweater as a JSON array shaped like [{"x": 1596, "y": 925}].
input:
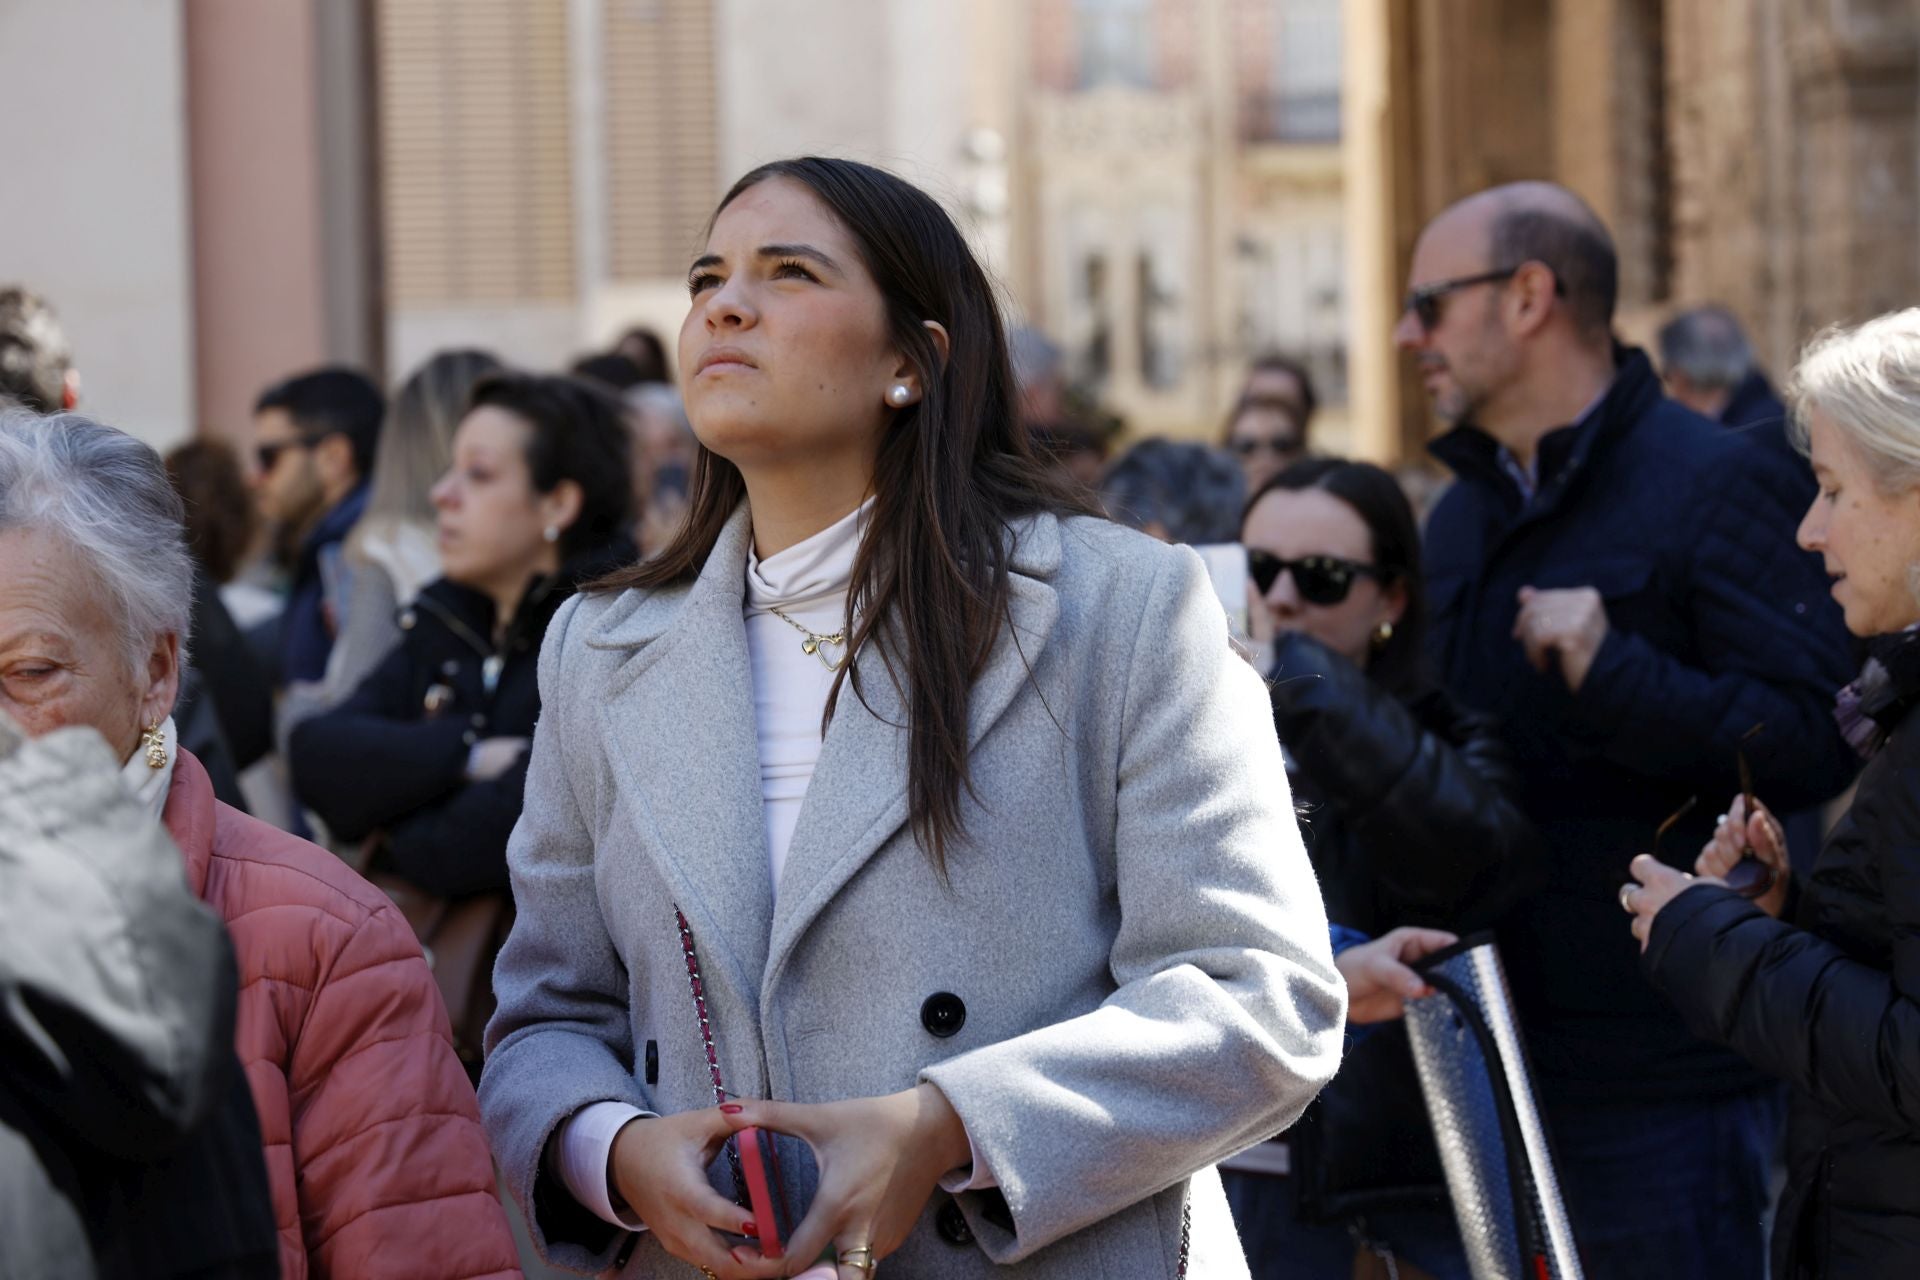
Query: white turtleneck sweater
[{"x": 808, "y": 582}]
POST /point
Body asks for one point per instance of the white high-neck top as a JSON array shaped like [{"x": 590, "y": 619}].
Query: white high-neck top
[{"x": 808, "y": 582}]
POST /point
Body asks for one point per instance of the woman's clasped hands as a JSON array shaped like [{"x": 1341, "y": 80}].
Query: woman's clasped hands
[
  {"x": 880, "y": 1160},
  {"x": 1737, "y": 835}
]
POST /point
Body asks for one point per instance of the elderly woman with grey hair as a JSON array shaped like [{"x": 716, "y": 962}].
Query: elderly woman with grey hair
[
  {"x": 1817, "y": 980},
  {"x": 375, "y": 1157}
]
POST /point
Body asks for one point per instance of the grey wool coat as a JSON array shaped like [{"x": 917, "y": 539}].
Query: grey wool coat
[{"x": 1124, "y": 978}]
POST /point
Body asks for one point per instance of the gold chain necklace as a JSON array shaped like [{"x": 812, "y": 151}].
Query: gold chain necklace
[{"x": 814, "y": 644}]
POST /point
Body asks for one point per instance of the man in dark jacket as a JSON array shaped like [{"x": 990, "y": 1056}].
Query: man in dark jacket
[
  {"x": 128, "y": 1141},
  {"x": 1709, "y": 366},
  {"x": 1615, "y": 579},
  {"x": 314, "y": 438}
]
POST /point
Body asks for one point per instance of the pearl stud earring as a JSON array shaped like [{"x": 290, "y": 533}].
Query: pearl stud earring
[{"x": 899, "y": 395}]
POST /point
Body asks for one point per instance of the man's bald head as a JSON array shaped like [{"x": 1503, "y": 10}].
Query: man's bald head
[{"x": 1546, "y": 223}]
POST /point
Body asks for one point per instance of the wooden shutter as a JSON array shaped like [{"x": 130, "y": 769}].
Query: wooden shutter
[
  {"x": 662, "y": 134},
  {"x": 476, "y": 167}
]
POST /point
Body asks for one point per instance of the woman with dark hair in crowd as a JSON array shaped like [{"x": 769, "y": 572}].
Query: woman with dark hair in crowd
[
  {"x": 643, "y": 347},
  {"x": 224, "y": 671},
  {"x": 1266, "y": 436},
  {"x": 1410, "y": 818},
  {"x": 430, "y": 750},
  {"x": 1816, "y": 978},
  {"x": 902, "y": 792}
]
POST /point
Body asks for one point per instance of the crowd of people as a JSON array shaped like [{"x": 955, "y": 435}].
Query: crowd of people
[{"x": 523, "y": 793}]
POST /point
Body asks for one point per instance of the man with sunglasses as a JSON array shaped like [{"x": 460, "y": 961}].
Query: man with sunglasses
[
  {"x": 313, "y": 436},
  {"x": 1614, "y": 579}
]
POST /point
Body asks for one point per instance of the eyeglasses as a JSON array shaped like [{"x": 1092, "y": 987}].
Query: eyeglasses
[
  {"x": 1279, "y": 446},
  {"x": 1424, "y": 301},
  {"x": 1749, "y": 877},
  {"x": 1323, "y": 580}
]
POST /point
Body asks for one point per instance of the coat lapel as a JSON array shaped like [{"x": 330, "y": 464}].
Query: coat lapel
[
  {"x": 679, "y": 723},
  {"x": 858, "y": 797}
]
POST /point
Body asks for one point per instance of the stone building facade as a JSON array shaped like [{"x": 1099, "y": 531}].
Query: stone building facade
[
  {"x": 1764, "y": 154},
  {"x": 1179, "y": 200}
]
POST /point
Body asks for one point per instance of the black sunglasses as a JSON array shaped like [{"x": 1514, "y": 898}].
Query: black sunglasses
[
  {"x": 1424, "y": 301},
  {"x": 268, "y": 454},
  {"x": 1280, "y": 446},
  {"x": 1323, "y": 580}
]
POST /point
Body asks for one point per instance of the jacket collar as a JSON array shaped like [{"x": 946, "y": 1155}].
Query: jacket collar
[
  {"x": 679, "y": 715},
  {"x": 469, "y": 614},
  {"x": 1753, "y": 402},
  {"x": 1565, "y": 455},
  {"x": 335, "y": 523},
  {"x": 189, "y": 817}
]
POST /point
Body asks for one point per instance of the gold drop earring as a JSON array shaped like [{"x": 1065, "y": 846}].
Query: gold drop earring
[{"x": 156, "y": 746}]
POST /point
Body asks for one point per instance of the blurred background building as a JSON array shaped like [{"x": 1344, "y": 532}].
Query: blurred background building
[
  {"x": 244, "y": 187},
  {"x": 215, "y": 192},
  {"x": 1764, "y": 154}
]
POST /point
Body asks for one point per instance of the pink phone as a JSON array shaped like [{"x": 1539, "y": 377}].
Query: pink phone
[{"x": 760, "y": 1166}]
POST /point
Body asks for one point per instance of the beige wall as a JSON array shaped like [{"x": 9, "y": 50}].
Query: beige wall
[
  {"x": 259, "y": 299},
  {"x": 897, "y": 83},
  {"x": 94, "y": 212}
]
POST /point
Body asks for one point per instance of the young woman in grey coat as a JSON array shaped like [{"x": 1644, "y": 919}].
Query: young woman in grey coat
[{"x": 902, "y": 808}]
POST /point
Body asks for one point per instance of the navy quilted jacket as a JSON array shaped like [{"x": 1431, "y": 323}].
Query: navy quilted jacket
[{"x": 1718, "y": 623}]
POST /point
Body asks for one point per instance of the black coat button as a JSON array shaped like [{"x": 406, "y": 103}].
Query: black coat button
[
  {"x": 943, "y": 1014},
  {"x": 952, "y": 1224}
]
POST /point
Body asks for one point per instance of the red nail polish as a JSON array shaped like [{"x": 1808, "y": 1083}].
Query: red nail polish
[
  {"x": 731, "y": 1108},
  {"x": 747, "y": 1228}
]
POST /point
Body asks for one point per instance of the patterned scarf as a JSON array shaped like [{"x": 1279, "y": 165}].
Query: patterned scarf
[{"x": 1887, "y": 687}]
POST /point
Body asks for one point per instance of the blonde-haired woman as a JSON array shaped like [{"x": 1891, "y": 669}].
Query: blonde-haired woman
[{"x": 1817, "y": 980}]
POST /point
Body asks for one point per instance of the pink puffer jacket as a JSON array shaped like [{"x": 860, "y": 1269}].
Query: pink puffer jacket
[{"x": 374, "y": 1147}]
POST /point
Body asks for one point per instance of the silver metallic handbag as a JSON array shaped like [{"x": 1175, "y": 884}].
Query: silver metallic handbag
[{"x": 1493, "y": 1146}]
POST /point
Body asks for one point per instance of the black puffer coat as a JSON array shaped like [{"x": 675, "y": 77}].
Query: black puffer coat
[
  {"x": 1830, "y": 1003},
  {"x": 1409, "y": 815},
  {"x": 393, "y": 756}
]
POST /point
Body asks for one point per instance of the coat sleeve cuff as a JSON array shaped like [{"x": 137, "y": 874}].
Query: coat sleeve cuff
[
  {"x": 1669, "y": 941},
  {"x": 977, "y": 1176},
  {"x": 581, "y": 1156}
]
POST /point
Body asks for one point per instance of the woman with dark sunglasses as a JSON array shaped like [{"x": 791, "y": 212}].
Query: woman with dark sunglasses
[{"x": 1407, "y": 805}]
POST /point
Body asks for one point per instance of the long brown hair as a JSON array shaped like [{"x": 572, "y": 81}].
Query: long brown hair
[{"x": 930, "y": 577}]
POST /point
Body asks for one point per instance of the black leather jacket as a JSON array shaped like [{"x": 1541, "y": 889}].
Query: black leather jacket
[
  {"x": 1828, "y": 999},
  {"x": 1409, "y": 815},
  {"x": 1408, "y": 807},
  {"x": 393, "y": 756}
]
